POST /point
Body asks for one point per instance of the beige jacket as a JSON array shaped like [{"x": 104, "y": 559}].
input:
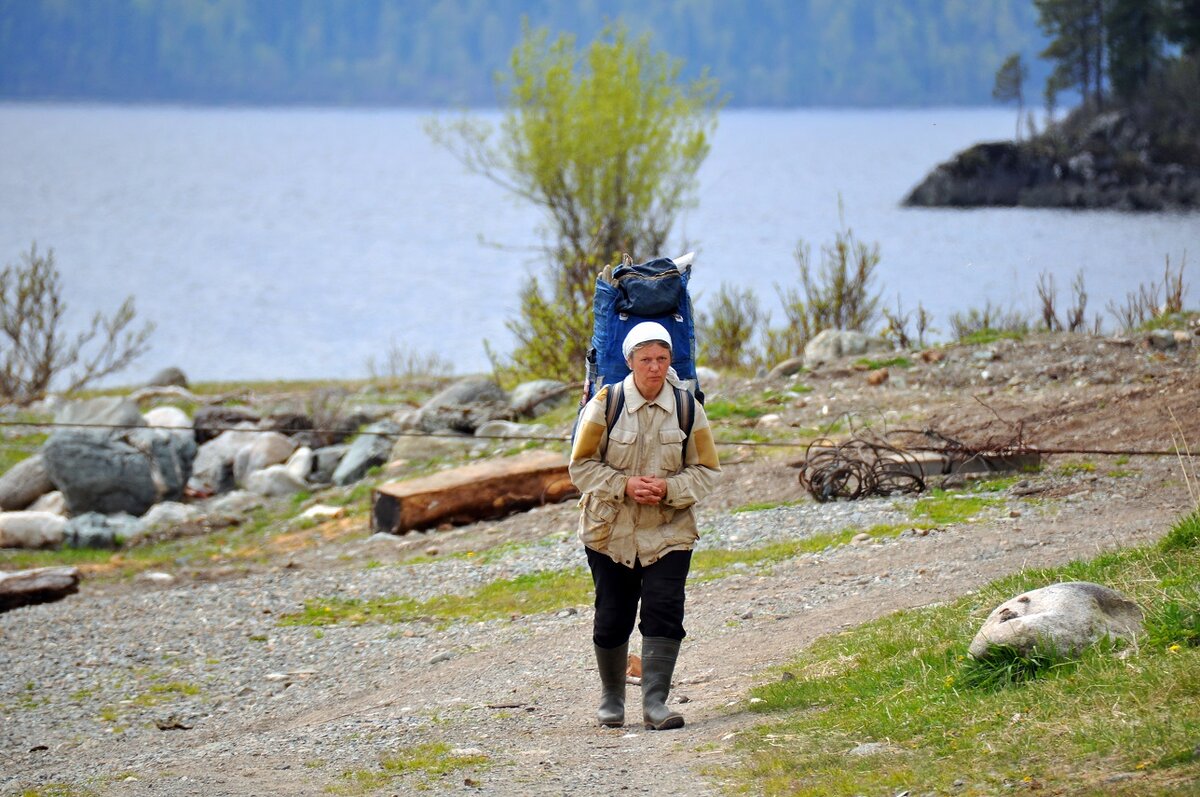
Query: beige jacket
[{"x": 645, "y": 441}]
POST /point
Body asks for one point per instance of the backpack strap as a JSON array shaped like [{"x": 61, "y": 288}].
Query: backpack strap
[
  {"x": 614, "y": 403},
  {"x": 685, "y": 410}
]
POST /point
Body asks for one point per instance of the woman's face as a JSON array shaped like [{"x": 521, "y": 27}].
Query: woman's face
[{"x": 649, "y": 365}]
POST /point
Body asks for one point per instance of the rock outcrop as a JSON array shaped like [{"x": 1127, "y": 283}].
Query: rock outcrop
[{"x": 1107, "y": 161}]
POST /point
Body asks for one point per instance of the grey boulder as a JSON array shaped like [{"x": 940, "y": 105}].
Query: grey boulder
[
  {"x": 463, "y": 406},
  {"x": 538, "y": 397},
  {"x": 99, "y": 472},
  {"x": 370, "y": 448},
  {"x": 98, "y": 530},
  {"x": 834, "y": 344}
]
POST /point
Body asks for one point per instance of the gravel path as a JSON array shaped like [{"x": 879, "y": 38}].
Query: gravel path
[{"x": 196, "y": 688}]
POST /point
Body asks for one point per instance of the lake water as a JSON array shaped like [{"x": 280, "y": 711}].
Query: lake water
[{"x": 298, "y": 243}]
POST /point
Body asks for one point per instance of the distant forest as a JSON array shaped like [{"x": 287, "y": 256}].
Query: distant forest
[{"x": 763, "y": 53}]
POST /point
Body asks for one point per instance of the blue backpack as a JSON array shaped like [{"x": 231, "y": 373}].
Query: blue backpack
[{"x": 653, "y": 291}]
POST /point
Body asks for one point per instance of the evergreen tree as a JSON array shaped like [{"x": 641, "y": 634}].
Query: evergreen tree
[
  {"x": 1134, "y": 35},
  {"x": 1010, "y": 85},
  {"x": 1076, "y": 31},
  {"x": 1182, "y": 24}
]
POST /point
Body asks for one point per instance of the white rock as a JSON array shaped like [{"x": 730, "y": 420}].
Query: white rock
[
  {"x": 276, "y": 480},
  {"x": 31, "y": 529},
  {"x": 54, "y": 502},
  {"x": 168, "y": 513},
  {"x": 266, "y": 449},
  {"x": 234, "y": 503},
  {"x": 168, "y": 417},
  {"x": 300, "y": 463},
  {"x": 324, "y": 512}
]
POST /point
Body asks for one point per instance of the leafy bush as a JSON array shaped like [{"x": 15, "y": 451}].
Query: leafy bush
[
  {"x": 607, "y": 142},
  {"x": 724, "y": 336}
]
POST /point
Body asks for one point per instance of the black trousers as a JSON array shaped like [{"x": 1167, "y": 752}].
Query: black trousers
[{"x": 659, "y": 588}]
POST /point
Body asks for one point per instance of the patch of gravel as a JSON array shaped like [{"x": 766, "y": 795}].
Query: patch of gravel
[{"x": 121, "y": 680}]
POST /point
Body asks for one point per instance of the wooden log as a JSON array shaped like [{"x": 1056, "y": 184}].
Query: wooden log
[
  {"x": 41, "y": 585},
  {"x": 479, "y": 491}
]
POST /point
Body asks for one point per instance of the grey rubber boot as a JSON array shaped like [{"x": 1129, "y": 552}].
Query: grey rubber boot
[
  {"x": 612, "y": 663},
  {"x": 658, "y": 665}
]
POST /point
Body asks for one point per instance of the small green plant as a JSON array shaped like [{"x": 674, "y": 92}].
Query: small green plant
[
  {"x": 1075, "y": 468},
  {"x": 1175, "y": 624},
  {"x": 988, "y": 325},
  {"x": 1153, "y": 305},
  {"x": 875, "y": 365},
  {"x": 724, "y": 409},
  {"x": 432, "y": 760},
  {"x": 58, "y": 789},
  {"x": 1184, "y": 535}
]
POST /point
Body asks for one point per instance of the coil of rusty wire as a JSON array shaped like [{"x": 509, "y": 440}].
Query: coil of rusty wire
[{"x": 865, "y": 465}]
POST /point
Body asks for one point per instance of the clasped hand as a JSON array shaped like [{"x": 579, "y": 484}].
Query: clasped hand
[{"x": 646, "y": 489}]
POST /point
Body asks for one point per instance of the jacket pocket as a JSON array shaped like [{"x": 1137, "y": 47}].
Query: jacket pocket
[
  {"x": 622, "y": 449},
  {"x": 597, "y": 521},
  {"x": 670, "y": 445}
]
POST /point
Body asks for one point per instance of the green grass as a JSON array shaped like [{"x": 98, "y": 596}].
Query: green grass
[
  {"x": 431, "y": 761},
  {"x": 529, "y": 594},
  {"x": 58, "y": 790},
  {"x": 875, "y": 365},
  {"x": 724, "y": 409},
  {"x": 248, "y": 541},
  {"x": 943, "y": 509},
  {"x": 761, "y": 506},
  {"x": 552, "y": 590},
  {"x": 986, "y": 336},
  {"x": 14, "y": 449},
  {"x": 943, "y": 726},
  {"x": 711, "y": 564}
]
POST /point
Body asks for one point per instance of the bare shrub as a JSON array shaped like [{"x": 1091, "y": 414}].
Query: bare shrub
[
  {"x": 38, "y": 350},
  {"x": 989, "y": 322},
  {"x": 1048, "y": 295},
  {"x": 1152, "y": 302},
  {"x": 398, "y": 364},
  {"x": 838, "y": 296},
  {"x": 724, "y": 334},
  {"x": 1076, "y": 314}
]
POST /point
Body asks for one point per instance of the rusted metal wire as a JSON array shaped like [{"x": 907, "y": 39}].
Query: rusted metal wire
[{"x": 865, "y": 465}]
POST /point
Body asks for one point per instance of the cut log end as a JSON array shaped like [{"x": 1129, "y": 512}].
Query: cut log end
[{"x": 41, "y": 585}]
